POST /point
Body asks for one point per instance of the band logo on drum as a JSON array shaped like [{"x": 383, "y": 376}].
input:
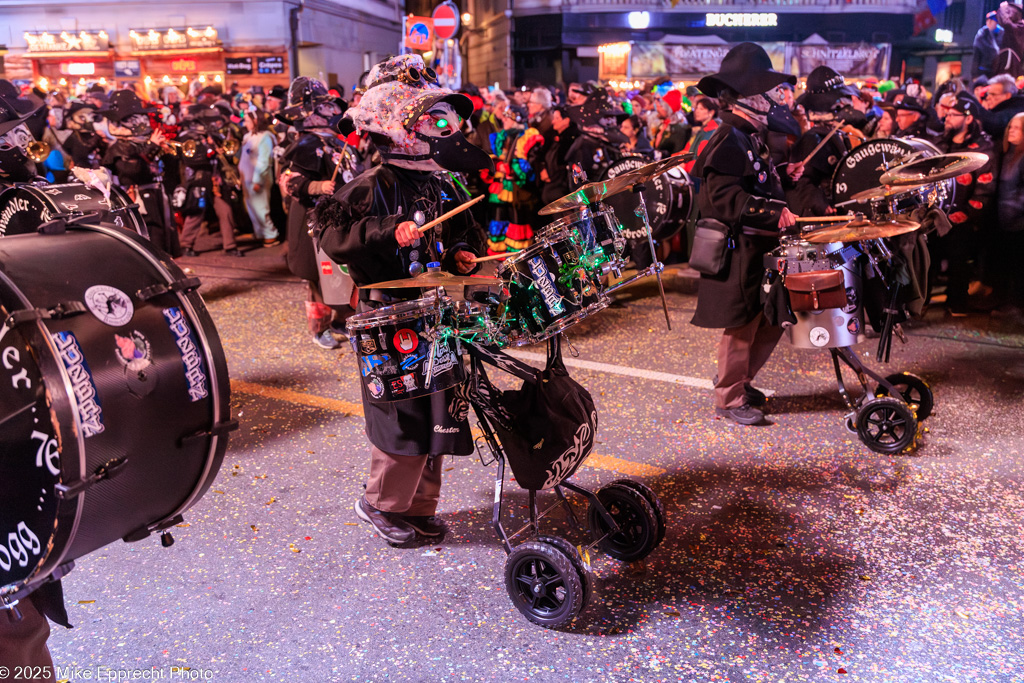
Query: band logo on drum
[
  {"x": 110, "y": 305},
  {"x": 195, "y": 374},
  {"x": 367, "y": 345},
  {"x": 546, "y": 283},
  {"x": 90, "y": 412},
  {"x": 134, "y": 351}
]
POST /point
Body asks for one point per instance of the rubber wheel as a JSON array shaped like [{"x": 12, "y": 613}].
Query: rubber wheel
[
  {"x": 886, "y": 425},
  {"x": 914, "y": 390},
  {"x": 570, "y": 551},
  {"x": 638, "y": 523},
  {"x": 646, "y": 492},
  {"x": 543, "y": 584}
]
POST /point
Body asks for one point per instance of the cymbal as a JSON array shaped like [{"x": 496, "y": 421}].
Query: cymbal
[
  {"x": 882, "y": 191},
  {"x": 934, "y": 169},
  {"x": 437, "y": 279},
  {"x": 858, "y": 231},
  {"x": 600, "y": 190}
]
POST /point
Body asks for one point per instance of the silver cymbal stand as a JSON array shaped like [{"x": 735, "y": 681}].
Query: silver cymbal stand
[{"x": 656, "y": 266}]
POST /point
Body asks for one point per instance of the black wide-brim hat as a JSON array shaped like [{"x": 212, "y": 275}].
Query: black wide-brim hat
[
  {"x": 124, "y": 103},
  {"x": 13, "y": 113},
  {"x": 747, "y": 69}
]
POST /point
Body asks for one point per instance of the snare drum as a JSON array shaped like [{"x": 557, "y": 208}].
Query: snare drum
[
  {"x": 550, "y": 288},
  {"x": 23, "y": 208},
  {"x": 114, "y": 397},
  {"x": 597, "y": 233},
  {"x": 481, "y": 323},
  {"x": 395, "y": 344}
]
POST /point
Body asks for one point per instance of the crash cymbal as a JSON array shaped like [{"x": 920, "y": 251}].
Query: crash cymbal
[
  {"x": 882, "y": 192},
  {"x": 858, "y": 231},
  {"x": 934, "y": 169},
  {"x": 437, "y": 279},
  {"x": 598, "y": 191}
]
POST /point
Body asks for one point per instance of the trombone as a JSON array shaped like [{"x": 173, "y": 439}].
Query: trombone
[{"x": 37, "y": 151}]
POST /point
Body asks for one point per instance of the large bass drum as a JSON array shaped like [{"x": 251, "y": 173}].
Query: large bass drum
[
  {"x": 24, "y": 207},
  {"x": 114, "y": 398},
  {"x": 862, "y": 167},
  {"x": 668, "y": 198}
]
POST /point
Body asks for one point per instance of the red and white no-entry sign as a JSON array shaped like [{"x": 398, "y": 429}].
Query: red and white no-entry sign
[{"x": 446, "y": 20}]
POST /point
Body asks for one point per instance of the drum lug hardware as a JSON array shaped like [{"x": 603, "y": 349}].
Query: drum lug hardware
[
  {"x": 187, "y": 284},
  {"x": 65, "y": 309},
  {"x": 107, "y": 470},
  {"x": 145, "y": 531},
  {"x": 217, "y": 430},
  {"x": 12, "y": 605}
]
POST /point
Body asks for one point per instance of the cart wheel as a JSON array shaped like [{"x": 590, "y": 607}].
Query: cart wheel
[
  {"x": 543, "y": 584},
  {"x": 638, "y": 523},
  {"x": 886, "y": 425},
  {"x": 914, "y": 390},
  {"x": 570, "y": 551},
  {"x": 649, "y": 495}
]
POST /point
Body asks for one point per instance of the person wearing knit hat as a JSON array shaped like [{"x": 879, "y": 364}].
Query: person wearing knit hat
[
  {"x": 371, "y": 226},
  {"x": 673, "y": 134},
  {"x": 988, "y": 41}
]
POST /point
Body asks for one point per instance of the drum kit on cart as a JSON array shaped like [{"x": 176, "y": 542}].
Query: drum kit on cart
[
  {"x": 414, "y": 348},
  {"x": 102, "y": 338},
  {"x": 885, "y": 184}
]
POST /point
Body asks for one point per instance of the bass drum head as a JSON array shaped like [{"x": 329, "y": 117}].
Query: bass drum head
[
  {"x": 134, "y": 379},
  {"x": 668, "y": 198},
  {"x": 861, "y": 168},
  {"x": 23, "y": 208}
]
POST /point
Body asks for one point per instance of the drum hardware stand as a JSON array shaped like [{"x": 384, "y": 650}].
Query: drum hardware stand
[
  {"x": 849, "y": 358},
  {"x": 107, "y": 470},
  {"x": 7, "y": 604},
  {"x": 656, "y": 265},
  {"x": 885, "y": 339}
]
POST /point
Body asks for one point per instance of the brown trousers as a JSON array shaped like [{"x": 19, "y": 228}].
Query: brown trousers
[
  {"x": 742, "y": 352},
  {"x": 404, "y": 484},
  {"x": 190, "y": 230},
  {"x": 23, "y": 643}
]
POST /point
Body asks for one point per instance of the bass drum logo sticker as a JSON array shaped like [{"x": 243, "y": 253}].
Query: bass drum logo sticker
[
  {"x": 110, "y": 305},
  {"x": 134, "y": 351}
]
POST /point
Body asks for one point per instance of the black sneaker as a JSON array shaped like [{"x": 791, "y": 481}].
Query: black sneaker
[
  {"x": 389, "y": 526},
  {"x": 185, "y": 251},
  {"x": 234, "y": 252},
  {"x": 426, "y": 526},
  {"x": 755, "y": 397},
  {"x": 745, "y": 414}
]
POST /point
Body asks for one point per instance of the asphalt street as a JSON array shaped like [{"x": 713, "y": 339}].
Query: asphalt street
[{"x": 792, "y": 553}]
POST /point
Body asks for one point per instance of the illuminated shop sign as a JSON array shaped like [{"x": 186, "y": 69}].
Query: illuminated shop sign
[
  {"x": 148, "y": 40},
  {"x": 738, "y": 19},
  {"x": 183, "y": 65},
  {"x": 78, "y": 68},
  {"x": 63, "y": 41}
]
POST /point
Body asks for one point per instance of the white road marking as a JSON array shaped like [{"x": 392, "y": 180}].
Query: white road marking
[{"x": 695, "y": 382}]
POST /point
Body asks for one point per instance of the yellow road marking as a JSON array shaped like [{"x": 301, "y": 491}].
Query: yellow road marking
[{"x": 601, "y": 462}]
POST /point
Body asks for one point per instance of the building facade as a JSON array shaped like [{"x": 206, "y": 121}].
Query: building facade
[{"x": 250, "y": 42}]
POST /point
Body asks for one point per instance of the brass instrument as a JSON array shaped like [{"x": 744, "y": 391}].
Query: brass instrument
[
  {"x": 188, "y": 148},
  {"x": 231, "y": 146},
  {"x": 38, "y": 150}
]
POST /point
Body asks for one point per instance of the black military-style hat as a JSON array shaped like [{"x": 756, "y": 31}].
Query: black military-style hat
[
  {"x": 125, "y": 103},
  {"x": 825, "y": 87}
]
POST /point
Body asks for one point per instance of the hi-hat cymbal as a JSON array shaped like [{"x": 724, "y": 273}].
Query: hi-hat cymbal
[
  {"x": 436, "y": 279},
  {"x": 591, "y": 193},
  {"x": 858, "y": 231},
  {"x": 934, "y": 169}
]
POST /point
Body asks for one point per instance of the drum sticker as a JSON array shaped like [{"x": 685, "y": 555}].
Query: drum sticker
[
  {"x": 406, "y": 340},
  {"x": 195, "y": 368},
  {"x": 375, "y": 386},
  {"x": 53, "y": 192},
  {"x": 820, "y": 336},
  {"x": 851, "y": 300},
  {"x": 761, "y": 177},
  {"x": 367, "y": 345},
  {"x": 326, "y": 268},
  {"x": 410, "y": 361},
  {"x": 134, "y": 351},
  {"x": 90, "y": 412},
  {"x": 380, "y": 363},
  {"x": 409, "y": 381},
  {"x": 853, "y": 327},
  {"x": 110, "y": 305},
  {"x": 82, "y": 197},
  {"x": 444, "y": 360},
  {"x": 397, "y": 387},
  {"x": 546, "y": 284}
]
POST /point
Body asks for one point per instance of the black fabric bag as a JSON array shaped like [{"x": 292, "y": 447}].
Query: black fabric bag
[
  {"x": 546, "y": 428},
  {"x": 712, "y": 242}
]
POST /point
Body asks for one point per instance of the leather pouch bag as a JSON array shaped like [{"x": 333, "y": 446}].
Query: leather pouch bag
[
  {"x": 816, "y": 290},
  {"x": 711, "y": 245}
]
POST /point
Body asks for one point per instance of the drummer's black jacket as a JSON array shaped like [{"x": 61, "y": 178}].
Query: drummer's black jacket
[
  {"x": 356, "y": 226},
  {"x": 130, "y": 161},
  {"x": 972, "y": 203},
  {"x": 812, "y": 194}
]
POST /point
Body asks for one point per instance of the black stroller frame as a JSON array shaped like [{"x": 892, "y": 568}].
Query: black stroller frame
[{"x": 547, "y": 577}]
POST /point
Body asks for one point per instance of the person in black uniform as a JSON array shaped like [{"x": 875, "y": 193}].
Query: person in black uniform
[
  {"x": 132, "y": 160},
  {"x": 369, "y": 226},
  {"x": 78, "y": 138},
  {"x": 310, "y": 164},
  {"x": 742, "y": 188},
  {"x": 15, "y": 136}
]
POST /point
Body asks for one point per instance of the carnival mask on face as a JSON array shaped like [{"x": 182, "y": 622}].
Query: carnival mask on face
[
  {"x": 81, "y": 120},
  {"x": 134, "y": 126},
  {"x": 18, "y": 137},
  {"x": 15, "y": 167},
  {"x": 449, "y": 148},
  {"x": 771, "y": 111}
]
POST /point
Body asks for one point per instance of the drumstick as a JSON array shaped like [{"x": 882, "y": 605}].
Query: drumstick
[
  {"x": 824, "y": 219},
  {"x": 445, "y": 216},
  {"x": 338, "y": 165},
  {"x": 492, "y": 257},
  {"x": 835, "y": 128}
]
